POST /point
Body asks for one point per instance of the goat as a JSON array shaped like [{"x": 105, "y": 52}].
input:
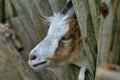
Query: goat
[{"x": 62, "y": 45}]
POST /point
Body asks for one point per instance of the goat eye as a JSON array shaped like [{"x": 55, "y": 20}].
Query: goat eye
[{"x": 65, "y": 39}]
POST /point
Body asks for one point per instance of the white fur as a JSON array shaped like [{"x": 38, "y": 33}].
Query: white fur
[
  {"x": 82, "y": 73},
  {"x": 46, "y": 48}
]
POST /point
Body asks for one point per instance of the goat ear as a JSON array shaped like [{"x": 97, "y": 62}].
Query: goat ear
[
  {"x": 45, "y": 18},
  {"x": 71, "y": 13},
  {"x": 68, "y": 9}
]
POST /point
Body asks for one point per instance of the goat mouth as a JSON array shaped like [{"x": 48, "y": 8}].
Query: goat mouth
[{"x": 41, "y": 63}]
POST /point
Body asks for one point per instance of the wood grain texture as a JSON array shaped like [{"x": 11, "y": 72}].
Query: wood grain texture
[
  {"x": 88, "y": 36},
  {"x": 108, "y": 72},
  {"x": 105, "y": 33}
]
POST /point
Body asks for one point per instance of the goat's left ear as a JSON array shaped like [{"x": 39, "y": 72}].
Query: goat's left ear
[
  {"x": 71, "y": 13},
  {"x": 68, "y": 9},
  {"x": 46, "y": 18}
]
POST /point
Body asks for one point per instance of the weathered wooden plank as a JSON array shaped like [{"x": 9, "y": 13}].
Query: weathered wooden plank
[
  {"x": 31, "y": 8},
  {"x": 18, "y": 8},
  {"x": 44, "y": 10},
  {"x": 88, "y": 36},
  {"x": 22, "y": 33},
  {"x": 115, "y": 49},
  {"x": 43, "y": 7},
  {"x": 108, "y": 72},
  {"x": 57, "y": 5},
  {"x": 7, "y": 69},
  {"x": 20, "y": 24},
  {"x": 28, "y": 25},
  {"x": 8, "y": 48},
  {"x": 2, "y": 11},
  {"x": 67, "y": 72},
  {"x": 67, "y": 0},
  {"x": 9, "y": 11},
  {"x": 105, "y": 33},
  {"x": 20, "y": 65},
  {"x": 94, "y": 15},
  {"x": 26, "y": 21}
]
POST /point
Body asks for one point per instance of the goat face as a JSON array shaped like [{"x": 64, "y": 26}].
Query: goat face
[{"x": 54, "y": 48}]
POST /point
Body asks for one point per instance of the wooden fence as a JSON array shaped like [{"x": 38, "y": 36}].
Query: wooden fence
[{"x": 100, "y": 29}]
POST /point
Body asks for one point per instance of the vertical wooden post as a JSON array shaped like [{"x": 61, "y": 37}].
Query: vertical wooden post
[
  {"x": 115, "y": 54},
  {"x": 2, "y": 10},
  {"x": 88, "y": 36},
  {"x": 9, "y": 11},
  {"x": 57, "y": 5},
  {"x": 7, "y": 48},
  {"x": 106, "y": 32}
]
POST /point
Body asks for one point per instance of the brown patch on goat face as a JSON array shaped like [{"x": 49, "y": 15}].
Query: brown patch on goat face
[
  {"x": 62, "y": 52},
  {"x": 67, "y": 47},
  {"x": 72, "y": 25}
]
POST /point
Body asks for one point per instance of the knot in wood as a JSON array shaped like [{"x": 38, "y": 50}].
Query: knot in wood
[{"x": 104, "y": 9}]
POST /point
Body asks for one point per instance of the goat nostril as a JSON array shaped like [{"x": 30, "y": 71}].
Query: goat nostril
[{"x": 32, "y": 57}]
